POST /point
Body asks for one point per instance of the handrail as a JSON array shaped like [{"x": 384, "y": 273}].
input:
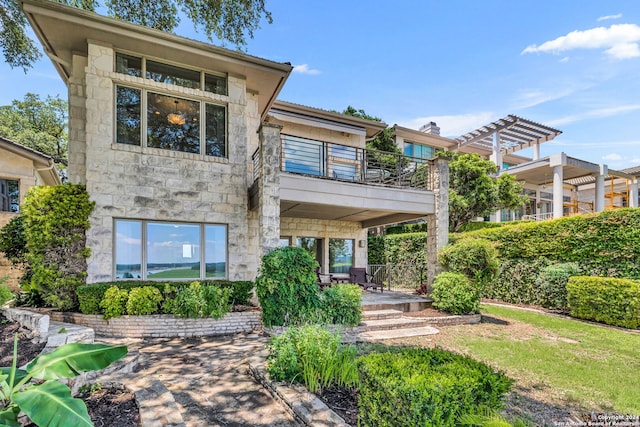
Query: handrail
[{"x": 339, "y": 162}]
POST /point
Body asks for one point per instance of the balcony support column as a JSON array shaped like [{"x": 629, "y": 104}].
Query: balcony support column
[
  {"x": 633, "y": 193},
  {"x": 600, "y": 190},
  {"x": 269, "y": 187},
  {"x": 438, "y": 223}
]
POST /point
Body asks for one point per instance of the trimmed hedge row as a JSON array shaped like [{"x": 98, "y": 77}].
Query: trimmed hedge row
[
  {"x": 425, "y": 387},
  {"x": 607, "y": 242},
  {"x": 605, "y": 299},
  {"x": 90, "y": 296}
]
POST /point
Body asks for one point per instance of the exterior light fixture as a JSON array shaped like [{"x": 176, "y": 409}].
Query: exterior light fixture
[{"x": 176, "y": 118}]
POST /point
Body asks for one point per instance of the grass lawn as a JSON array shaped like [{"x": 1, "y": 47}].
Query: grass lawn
[{"x": 554, "y": 360}]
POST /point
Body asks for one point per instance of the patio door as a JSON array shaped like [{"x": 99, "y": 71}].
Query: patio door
[{"x": 314, "y": 246}]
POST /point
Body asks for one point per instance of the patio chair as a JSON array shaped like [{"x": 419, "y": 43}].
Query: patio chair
[
  {"x": 360, "y": 277},
  {"x": 324, "y": 280}
]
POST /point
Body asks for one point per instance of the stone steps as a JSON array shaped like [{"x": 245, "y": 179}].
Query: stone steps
[
  {"x": 397, "y": 333},
  {"x": 394, "y": 323},
  {"x": 381, "y": 314}
]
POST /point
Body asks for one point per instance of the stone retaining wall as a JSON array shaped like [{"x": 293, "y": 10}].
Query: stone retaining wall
[
  {"x": 37, "y": 323},
  {"x": 467, "y": 319},
  {"x": 162, "y": 325}
]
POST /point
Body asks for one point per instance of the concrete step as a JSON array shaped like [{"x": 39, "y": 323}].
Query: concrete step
[
  {"x": 397, "y": 333},
  {"x": 381, "y": 314},
  {"x": 386, "y": 324},
  {"x": 417, "y": 305}
]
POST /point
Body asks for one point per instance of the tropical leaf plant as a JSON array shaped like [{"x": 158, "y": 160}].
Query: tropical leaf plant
[{"x": 47, "y": 402}]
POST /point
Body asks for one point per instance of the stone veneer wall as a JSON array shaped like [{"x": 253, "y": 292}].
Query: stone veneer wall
[
  {"x": 135, "y": 182},
  {"x": 162, "y": 325},
  {"x": 324, "y": 229}
]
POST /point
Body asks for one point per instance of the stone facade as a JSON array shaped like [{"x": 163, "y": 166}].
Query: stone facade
[
  {"x": 438, "y": 223},
  {"x": 134, "y": 182},
  {"x": 323, "y": 229}
]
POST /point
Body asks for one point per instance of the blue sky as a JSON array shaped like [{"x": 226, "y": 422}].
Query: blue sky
[{"x": 570, "y": 64}]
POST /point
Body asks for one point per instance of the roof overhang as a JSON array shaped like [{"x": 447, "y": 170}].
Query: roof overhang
[
  {"x": 64, "y": 31},
  {"x": 515, "y": 134},
  {"x": 43, "y": 164},
  {"x": 288, "y": 111},
  {"x": 424, "y": 138},
  {"x": 574, "y": 171}
]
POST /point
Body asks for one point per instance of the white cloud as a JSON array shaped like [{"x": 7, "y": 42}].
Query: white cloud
[
  {"x": 595, "y": 114},
  {"x": 612, "y": 157},
  {"x": 532, "y": 97},
  {"x": 565, "y": 59},
  {"x": 607, "y": 17},
  {"x": 619, "y": 41},
  {"x": 452, "y": 125},
  {"x": 304, "y": 69}
]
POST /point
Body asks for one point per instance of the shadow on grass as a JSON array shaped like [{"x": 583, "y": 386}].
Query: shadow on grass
[{"x": 494, "y": 320}]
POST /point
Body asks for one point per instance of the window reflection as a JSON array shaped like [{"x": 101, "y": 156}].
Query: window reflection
[
  {"x": 173, "y": 123},
  {"x": 127, "y": 115},
  {"x": 128, "y": 249},
  {"x": 173, "y": 251},
  {"x": 340, "y": 255}
]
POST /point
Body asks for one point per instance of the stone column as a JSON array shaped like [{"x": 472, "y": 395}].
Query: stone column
[
  {"x": 77, "y": 170},
  {"x": 438, "y": 223},
  {"x": 599, "y": 205},
  {"x": 269, "y": 187}
]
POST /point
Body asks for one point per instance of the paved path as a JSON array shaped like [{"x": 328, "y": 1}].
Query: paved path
[{"x": 209, "y": 380}]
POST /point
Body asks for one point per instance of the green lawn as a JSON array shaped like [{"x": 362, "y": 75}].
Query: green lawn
[{"x": 573, "y": 362}]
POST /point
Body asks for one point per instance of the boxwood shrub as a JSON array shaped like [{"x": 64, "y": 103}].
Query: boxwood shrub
[
  {"x": 455, "y": 293},
  {"x": 475, "y": 258},
  {"x": 425, "y": 387},
  {"x": 89, "y": 296},
  {"x": 605, "y": 299}
]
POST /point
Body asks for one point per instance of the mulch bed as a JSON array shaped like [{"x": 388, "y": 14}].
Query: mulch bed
[
  {"x": 343, "y": 401},
  {"x": 27, "y": 349},
  {"x": 109, "y": 406}
]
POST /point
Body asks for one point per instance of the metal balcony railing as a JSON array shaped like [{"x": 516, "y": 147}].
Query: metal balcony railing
[{"x": 344, "y": 163}]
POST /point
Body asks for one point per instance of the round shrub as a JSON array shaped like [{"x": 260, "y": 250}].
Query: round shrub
[
  {"x": 286, "y": 287},
  {"x": 341, "y": 304},
  {"x": 455, "y": 293},
  {"x": 475, "y": 258},
  {"x": 114, "y": 302},
  {"x": 198, "y": 300},
  {"x": 143, "y": 301}
]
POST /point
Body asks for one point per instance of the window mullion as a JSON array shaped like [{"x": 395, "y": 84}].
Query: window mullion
[
  {"x": 203, "y": 265},
  {"x": 143, "y": 248}
]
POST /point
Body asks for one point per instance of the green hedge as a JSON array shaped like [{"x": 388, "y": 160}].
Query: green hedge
[
  {"x": 605, "y": 242},
  {"x": 341, "y": 304},
  {"x": 89, "y": 296},
  {"x": 605, "y": 299},
  {"x": 425, "y": 387}
]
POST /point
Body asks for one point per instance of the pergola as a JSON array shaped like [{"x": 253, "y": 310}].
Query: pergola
[{"x": 508, "y": 135}]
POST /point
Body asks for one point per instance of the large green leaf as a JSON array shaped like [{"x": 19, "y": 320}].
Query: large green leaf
[
  {"x": 69, "y": 360},
  {"x": 50, "y": 405},
  {"x": 20, "y": 374},
  {"x": 9, "y": 416}
]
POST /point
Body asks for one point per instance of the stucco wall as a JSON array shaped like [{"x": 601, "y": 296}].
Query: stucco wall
[{"x": 146, "y": 183}]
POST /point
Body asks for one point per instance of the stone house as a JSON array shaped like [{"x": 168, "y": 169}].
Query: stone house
[
  {"x": 197, "y": 170},
  {"x": 21, "y": 168}
]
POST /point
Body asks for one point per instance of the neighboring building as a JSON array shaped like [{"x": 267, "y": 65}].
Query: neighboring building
[
  {"x": 20, "y": 169},
  {"x": 557, "y": 185},
  {"x": 197, "y": 170}
]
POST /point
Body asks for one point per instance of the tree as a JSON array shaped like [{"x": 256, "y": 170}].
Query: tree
[
  {"x": 383, "y": 141},
  {"x": 474, "y": 189},
  {"x": 38, "y": 124},
  {"x": 225, "y": 20}
]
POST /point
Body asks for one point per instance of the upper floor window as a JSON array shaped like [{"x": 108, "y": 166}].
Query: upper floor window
[
  {"x": 419, "y": 151},
  {"x": 9, "y": 195},
  {"x": 170, "y": 74},
  {"x": 169, "y": 122}
]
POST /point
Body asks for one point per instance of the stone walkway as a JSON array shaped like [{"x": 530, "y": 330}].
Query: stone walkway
[{"x": 209, "y": 380}]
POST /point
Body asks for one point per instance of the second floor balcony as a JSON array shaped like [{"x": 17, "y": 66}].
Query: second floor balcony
[{"x": 325, "y": 180}]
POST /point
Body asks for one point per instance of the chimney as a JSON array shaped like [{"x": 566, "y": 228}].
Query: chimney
[{"x": 430, "y": 128}]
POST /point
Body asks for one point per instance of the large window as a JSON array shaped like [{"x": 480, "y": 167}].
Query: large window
[
  {"x": 340, "y": 255},
  {"x": 419, "y": 151},
  {"x": 9, "y": 195},
  {"x": 313, "y": 246},
  {"x": 160, "y": 250},
  {"x": 167, "y": 122}
]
